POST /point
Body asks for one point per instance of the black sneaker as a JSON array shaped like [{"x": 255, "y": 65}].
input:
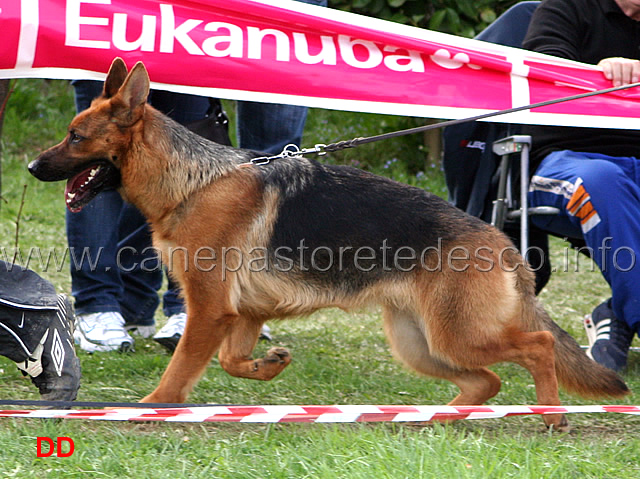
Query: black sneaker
[
  {"x": 53, "y": 365},
  {"x": 36, "y": 332},
  {"x": 609, "y": 338}
]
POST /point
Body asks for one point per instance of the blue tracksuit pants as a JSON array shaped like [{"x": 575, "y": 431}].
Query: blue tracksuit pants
[{"x": 599, "y": 199}]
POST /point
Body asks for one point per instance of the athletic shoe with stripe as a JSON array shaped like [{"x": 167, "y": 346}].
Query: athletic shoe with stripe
[
  {"x": 42, "y": 338},
  {"x": 170, "y": 333},
  {"x": 101, "y": 332},
  {"x": 609, "y": 338}
]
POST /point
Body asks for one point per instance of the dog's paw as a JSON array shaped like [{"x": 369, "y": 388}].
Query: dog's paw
[
  {"x": 278, "y": 355},
  {"x": 557, "y": 423}
]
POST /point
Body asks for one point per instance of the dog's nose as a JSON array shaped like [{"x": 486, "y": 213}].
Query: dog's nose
[
  {"x": 38, "y": 169},
  {"x": 33, "y": 168}
]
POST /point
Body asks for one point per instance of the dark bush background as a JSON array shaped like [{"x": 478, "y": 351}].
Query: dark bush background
[{"x": 459, "y": 17}]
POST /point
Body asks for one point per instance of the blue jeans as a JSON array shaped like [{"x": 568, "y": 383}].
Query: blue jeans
[
  {"x": 119, "y": 271},
  {"x": 110, "y": 230},
  {"x": 269, "y": 127},
  {"x": 599, "y": 199}
]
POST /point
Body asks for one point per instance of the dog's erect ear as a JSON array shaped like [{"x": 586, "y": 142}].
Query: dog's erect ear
[
  {"x": 115, "y": 78},
  {"x": 128, "y": 104}
]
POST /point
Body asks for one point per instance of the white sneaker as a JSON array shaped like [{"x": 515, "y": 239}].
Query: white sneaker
[
  {"x": 266, "y": 333},
  {"x": 170, "y": 333},
  {"x": 100, "y": 332},
  {"x": 145, "y": 331}
]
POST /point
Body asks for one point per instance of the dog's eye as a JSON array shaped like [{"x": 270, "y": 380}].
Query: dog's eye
[{"x": 74, "y": 137}]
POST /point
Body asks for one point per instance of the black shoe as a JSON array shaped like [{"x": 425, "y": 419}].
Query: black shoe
[
  {"x": 40, "y": 341},
  {"x": 36, "y": 328},
  {"x": 60, "y": 379},
  {"x": 609, "y": 338}
]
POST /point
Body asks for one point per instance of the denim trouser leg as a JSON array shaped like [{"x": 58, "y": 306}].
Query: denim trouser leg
[
  {"x": 184, "y": 109},
  {"x": 92, "y": 236},
  {"x": 95, "y": 277},
  {"x": 598, "y": 197},
  {"x": 171, "y": 300},
  {"x": 139, "y": 266},
  {"x": 269, "y": 127},
  {"x": 127, "y": 276}
]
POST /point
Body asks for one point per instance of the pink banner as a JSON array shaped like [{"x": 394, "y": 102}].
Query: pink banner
[{"x": 290, "y": 52}]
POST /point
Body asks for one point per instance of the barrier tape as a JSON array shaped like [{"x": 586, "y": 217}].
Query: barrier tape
[{"x": 313, "y": 414}]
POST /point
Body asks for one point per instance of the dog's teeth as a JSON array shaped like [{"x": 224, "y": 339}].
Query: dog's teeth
[{"x": 70, "y": 196}]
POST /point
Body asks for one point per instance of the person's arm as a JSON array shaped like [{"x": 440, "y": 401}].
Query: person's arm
[
  {"x": 621, "y": 71},
  {"x": 556, "y": 29}
]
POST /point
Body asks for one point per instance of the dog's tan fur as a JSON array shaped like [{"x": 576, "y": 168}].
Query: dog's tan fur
[{"x": 447, "y": 324}]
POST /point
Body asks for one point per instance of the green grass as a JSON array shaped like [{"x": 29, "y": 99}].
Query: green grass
[{"x": 338, "y": 358}]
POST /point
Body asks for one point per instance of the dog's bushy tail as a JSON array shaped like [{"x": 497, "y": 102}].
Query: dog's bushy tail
[{"x": 576, "y": 372}]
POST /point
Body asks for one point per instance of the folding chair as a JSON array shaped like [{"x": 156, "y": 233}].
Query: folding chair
[
  {"x": 487, "y": 166},
  {"x": 480, "y": 165},
  {"x": 506, "y": 207}
]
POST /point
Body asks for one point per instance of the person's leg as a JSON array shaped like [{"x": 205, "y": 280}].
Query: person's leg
[
  {"x": 140, "y": 270},
  {"x": 92, "y": 236},
  {"x": 598, "y": 197},
  {"x": 269, "y": 127},
  {"x": 173, "y": 308},
  {"x": 180, "y": 107},
  {"x": 96, "y": 282},
  {"x": 184, "y": 109}
]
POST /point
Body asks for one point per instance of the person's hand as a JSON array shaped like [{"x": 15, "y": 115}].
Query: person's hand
[{"x": 621, "y": 71}]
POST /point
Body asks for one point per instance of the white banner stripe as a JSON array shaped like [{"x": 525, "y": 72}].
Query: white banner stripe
[
  {"x": 413, "y": 417},
  {"x": 28, "y": 33},
  {"x": 486, "y": 415},
  {"x": 321, "y": 414},
  {"x": 339, "y": 417},
  {"x": 264, "y": 417}
]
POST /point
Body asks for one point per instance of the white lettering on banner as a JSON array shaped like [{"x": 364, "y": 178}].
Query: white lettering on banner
[
  {"x": 30, "y": 15},
  {"x": 255, "y": 36},
  {"x": 327, "y": 54},
  {"x": 145, "y": 42},
  {"x": 443, "y": 58},
  {"x": 347, "y": 47},
  {"x": 74, "y": 20},
  {"x": 234, "y": 40},
  {"x": 169, "y": 32},
  {"x": 403, "y": 63},
  {"x": 228, "y": 40}
]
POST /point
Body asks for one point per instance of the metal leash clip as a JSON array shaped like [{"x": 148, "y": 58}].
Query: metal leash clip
[{"x": 289, "y": 151}]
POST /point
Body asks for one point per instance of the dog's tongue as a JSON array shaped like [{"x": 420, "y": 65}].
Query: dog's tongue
[{"x": 75, "y": 189}]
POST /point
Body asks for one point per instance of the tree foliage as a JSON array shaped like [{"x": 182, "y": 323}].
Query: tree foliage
[{"x": 459, "y": 17}]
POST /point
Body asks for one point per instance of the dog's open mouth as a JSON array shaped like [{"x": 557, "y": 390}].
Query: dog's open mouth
[{"x": 84, "y": 186}]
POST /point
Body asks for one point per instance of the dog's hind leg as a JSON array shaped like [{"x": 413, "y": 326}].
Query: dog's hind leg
[
  {"x": 409, "y": 344},
  {"x": 534, "y": 351},
  {"x": 235, "y": 353}
]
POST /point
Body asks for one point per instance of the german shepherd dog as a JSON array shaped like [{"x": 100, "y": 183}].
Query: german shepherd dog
[{"x": 249, "y": 242}]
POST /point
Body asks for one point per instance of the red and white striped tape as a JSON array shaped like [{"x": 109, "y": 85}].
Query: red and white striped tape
[{"x": 320, "y": 414}]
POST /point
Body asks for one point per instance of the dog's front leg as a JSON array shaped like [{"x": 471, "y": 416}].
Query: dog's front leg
[
  {"x": 202, "y": 337},
  {"x": 235, "y": 353}
]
